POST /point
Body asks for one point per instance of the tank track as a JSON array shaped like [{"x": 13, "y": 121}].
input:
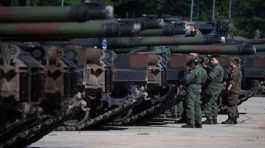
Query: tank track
[
  {"x": 166, "y": 103},
  {"x": 14, "y": 128},
  {"x": 30, "y": 132},
  {"x": 101, "y": 119},
  {"x": 247, "y": 94},
  {"x": 243, "y": 97}
]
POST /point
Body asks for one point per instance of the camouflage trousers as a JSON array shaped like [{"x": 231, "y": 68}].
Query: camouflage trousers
[
  {"x": 181, "y": 110},
  {"x": 193, "y": 108},
  {"x": 211, "y": 107},
  {"x": 231, "y": 102}
]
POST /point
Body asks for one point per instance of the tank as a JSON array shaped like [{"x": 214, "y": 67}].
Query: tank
[
  {"x": 21, "y": 89},
  {"x": 253, "y": 70},
  {"x": 156, "y": 69},
  {"x": 123, "y": 87},
  {"x": 116, "y": 84},
  {"x": 55, "y": 14}
]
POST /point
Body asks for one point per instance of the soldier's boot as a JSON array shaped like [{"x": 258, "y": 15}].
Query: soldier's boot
[
  {"x": 188, "y": 126},
  {"x": 237, "y": 115},
  {"x": 215, "y": 121},
  {"x": 208, "y": 121},
  {"x": 229, "y": 121},
  {"x": 181, "y": 121},
  {"x": 235, "y": 120},
  {"x": 197, "y": 125}
]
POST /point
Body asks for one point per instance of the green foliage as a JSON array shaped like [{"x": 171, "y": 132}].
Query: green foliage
[
  {"x": 72, "y": 2},
  {"x": 247, "y": 15}
]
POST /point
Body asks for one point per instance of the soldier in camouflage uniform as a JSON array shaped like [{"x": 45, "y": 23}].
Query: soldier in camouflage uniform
[
  {"x": 181, "y": 110},
  {"x": 213, "y": 89},
  {"x": 233, "y": 90},
  {"x": 194, "y": 79}
]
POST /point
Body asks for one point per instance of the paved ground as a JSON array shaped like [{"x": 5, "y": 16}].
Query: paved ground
[{"x": 249, "y": 133}]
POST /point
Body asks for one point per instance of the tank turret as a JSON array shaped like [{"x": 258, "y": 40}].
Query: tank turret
[
  {"x": 169, "y": 30},
  {"x": 146, "y": 22}
]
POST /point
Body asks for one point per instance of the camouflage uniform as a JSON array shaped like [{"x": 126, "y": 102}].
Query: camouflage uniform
[
  {"x": 194, "y": 80},
  {"x": 233, "y": 96},
  {"x": 213, "y": 89}
]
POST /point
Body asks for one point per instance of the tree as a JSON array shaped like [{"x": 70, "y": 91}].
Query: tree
[{"x": 249, "y": 16}]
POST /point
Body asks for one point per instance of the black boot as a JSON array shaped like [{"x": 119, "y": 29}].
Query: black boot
[
  {"x": 188, "y": 126},
  {"x": 198, "y": 125},
  {"x": 208, "y": 121},
  {"x": 215, "y": 121},
  {"x": 229, "y": 121},
  {"x": 235, "y": 121},
  {"x": 181, "y": 121}
]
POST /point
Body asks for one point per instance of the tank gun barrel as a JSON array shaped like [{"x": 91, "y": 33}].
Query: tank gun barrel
[
  {"x": 95, "y": 28},
  {"x": 242, "y": 49},
  {"x": 257, "y": 41},
  {"x": 55, "y": 14},
  {"x": 239, "y": 40},
  {"x": 64, "y": 31},
  {"x": 128, "y": 42},
  {"x": 260, "y": 47}
]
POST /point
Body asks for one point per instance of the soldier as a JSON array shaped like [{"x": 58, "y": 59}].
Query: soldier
[
  {"x": 213, "y": 89},
  {"x": 194, "y": 79},
  {"x": 181, "y": 110},
  {"x": 233, "y": 90},
  {"x": 204, "y": 63}
]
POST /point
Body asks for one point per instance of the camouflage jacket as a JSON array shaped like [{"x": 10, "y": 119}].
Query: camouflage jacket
[
  {"x": 215, "y": 79},
  {"x": 195, "y": 79},
  {"x": 235, "y": 80},
  {"x": 204, "y": 74}
]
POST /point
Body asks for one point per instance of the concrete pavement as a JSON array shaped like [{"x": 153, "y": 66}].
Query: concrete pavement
[{"x": 249, "y": 133}]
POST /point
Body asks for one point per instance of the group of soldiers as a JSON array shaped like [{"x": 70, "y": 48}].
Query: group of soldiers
[{"x": 205, "y": 80}]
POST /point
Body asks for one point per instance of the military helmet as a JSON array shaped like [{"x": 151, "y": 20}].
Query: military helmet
[
  {"x": 194, "y": 61},
  {"x": 204, "y": 59},
  {"x": 213, "y": 56}
]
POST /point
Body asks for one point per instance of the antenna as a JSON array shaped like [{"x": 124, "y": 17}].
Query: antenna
[
  {"x": 230, "y": 10},
  {"x": 191, "y": 10},
  {"x": 62, "y": 3},
  {"x": 213, "y": 10}
]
